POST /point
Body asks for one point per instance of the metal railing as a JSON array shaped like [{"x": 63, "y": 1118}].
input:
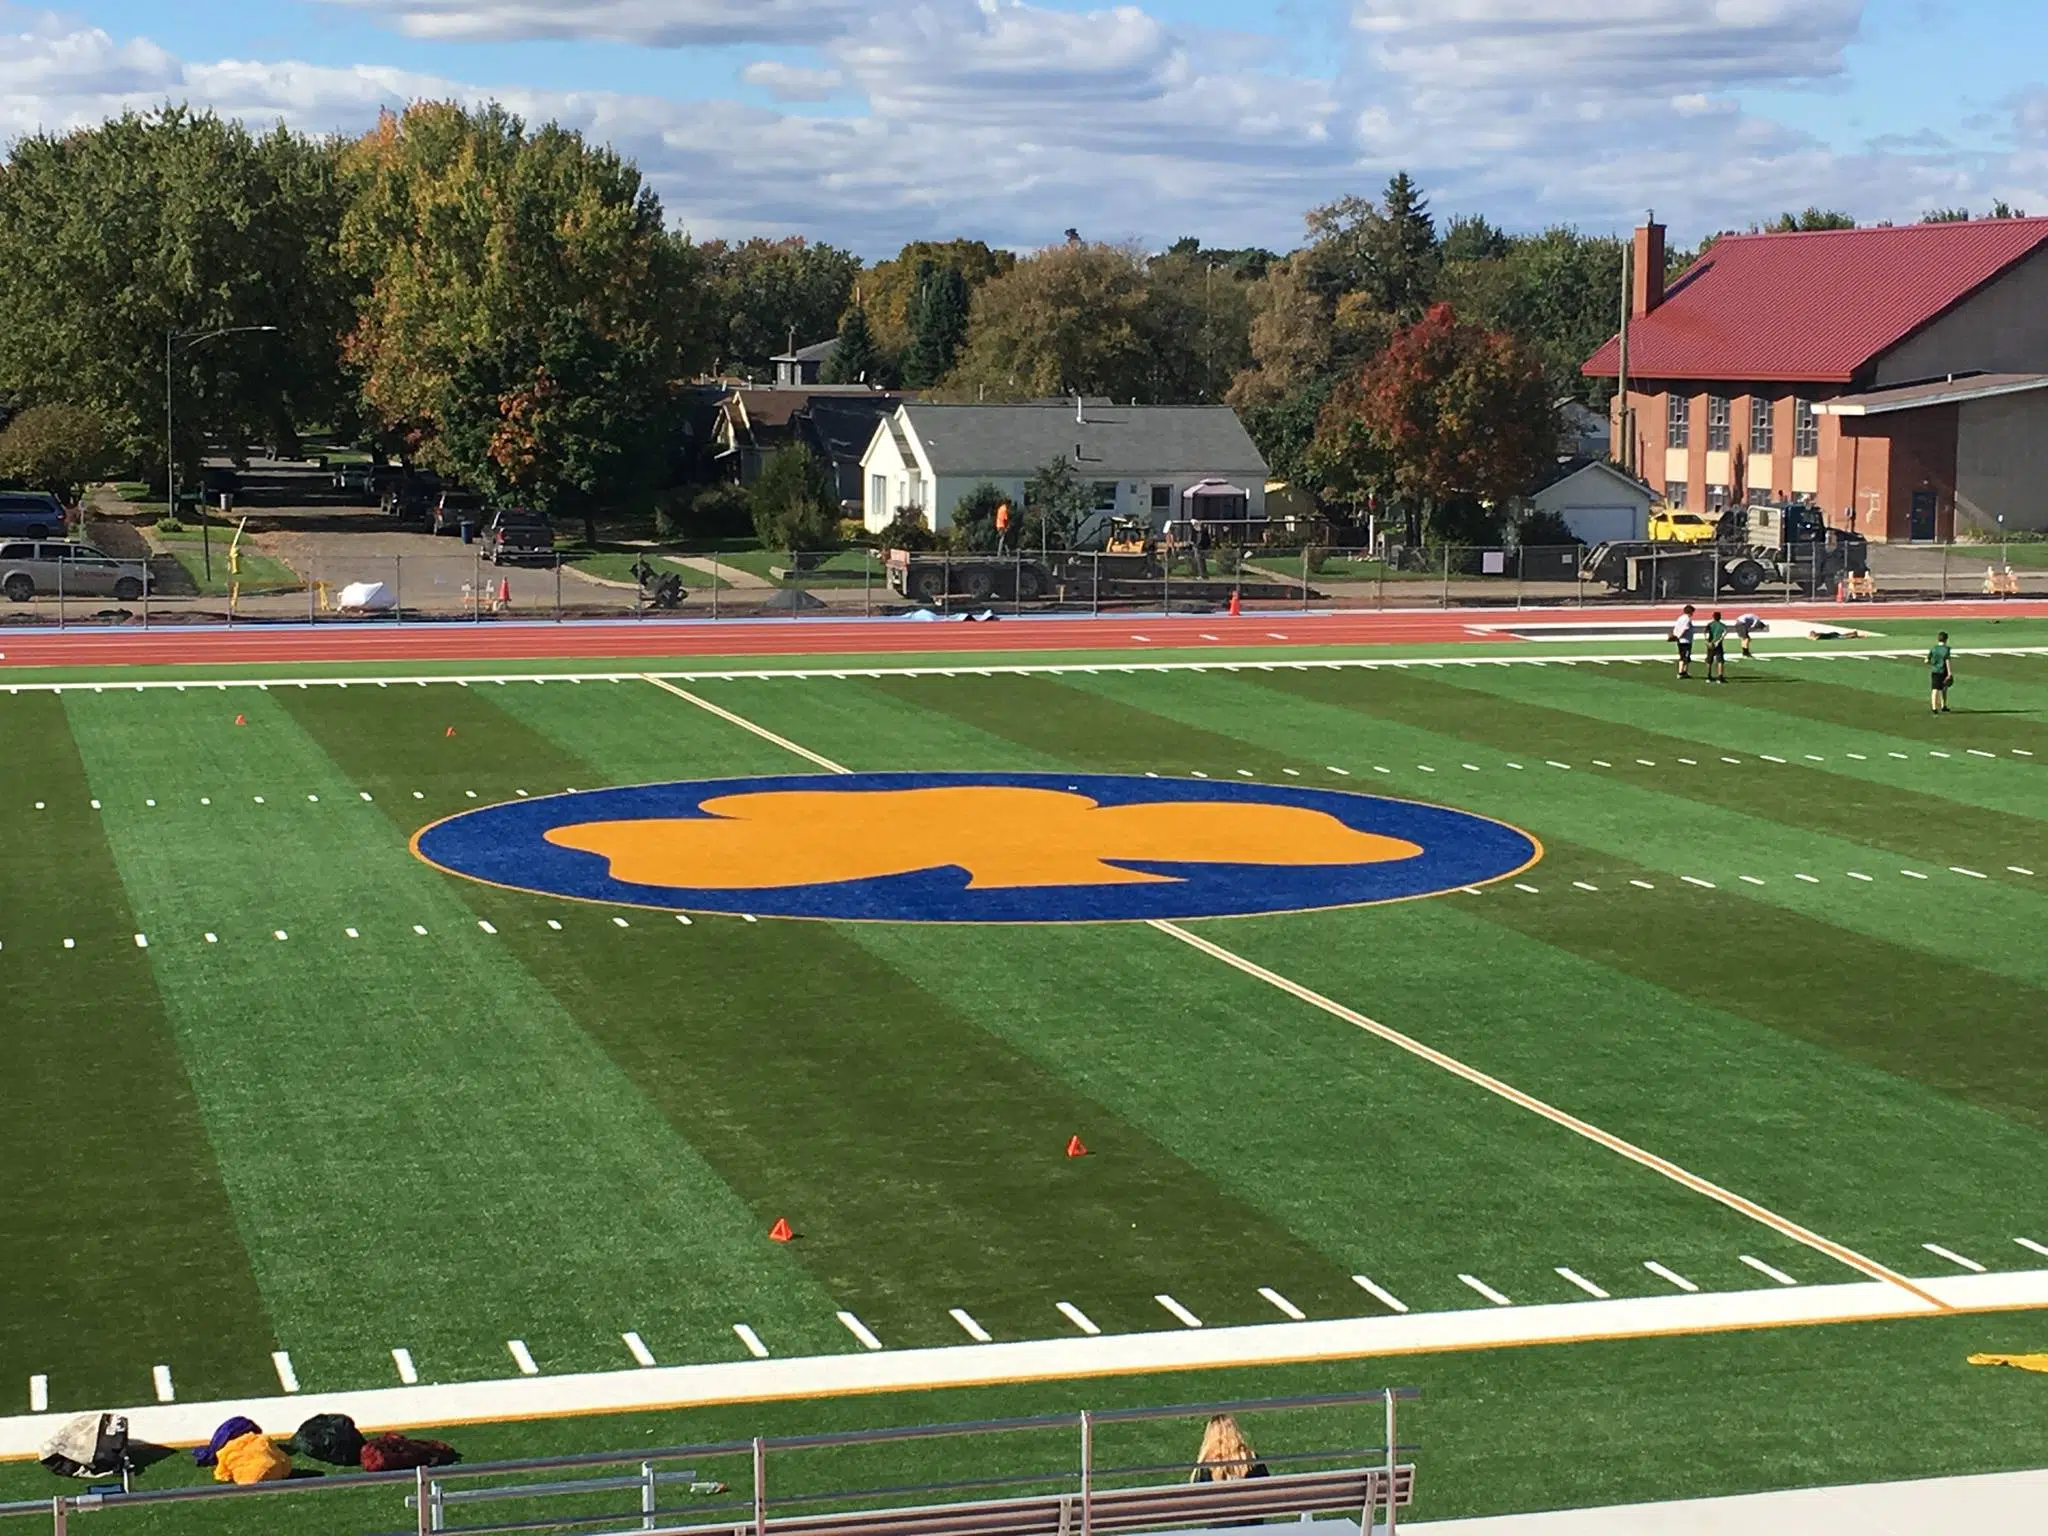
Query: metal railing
[{"x": 1090, "y": 1493}]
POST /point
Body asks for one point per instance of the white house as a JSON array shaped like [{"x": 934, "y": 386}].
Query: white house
[
  {"x": 1597, "y": 499},
  {"x": 1157, "y": 462}
]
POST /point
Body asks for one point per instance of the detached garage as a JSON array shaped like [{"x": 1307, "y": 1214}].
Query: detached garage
[{"x": 1597, "y": 500}]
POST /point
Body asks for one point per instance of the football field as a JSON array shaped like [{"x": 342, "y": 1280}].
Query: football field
[{"x": 288, "y": 1107}]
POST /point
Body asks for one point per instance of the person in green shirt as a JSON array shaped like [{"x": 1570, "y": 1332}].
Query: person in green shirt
[
  {"x": 1941, "y": 672},
  {"x": 1717, "y": 649}
]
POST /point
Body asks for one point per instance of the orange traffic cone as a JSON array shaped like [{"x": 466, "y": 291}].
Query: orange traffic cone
[
  {"x": 1233, "y": 602},
  {"x": 504, "y": 592},
  {"x": 451, "y": 730},
  {"x": 241, "y": 719},
  {"x": 1074, "y": 1147},
  {"x": 780, "y": 1233}
]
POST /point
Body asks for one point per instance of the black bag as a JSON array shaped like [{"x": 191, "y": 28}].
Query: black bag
[
  {"x": 329, "y": 1437},
  {"x": 91, "y": 1445}
]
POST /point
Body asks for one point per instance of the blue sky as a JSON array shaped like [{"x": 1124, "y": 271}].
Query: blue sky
[{"x": 873, "y": 121}]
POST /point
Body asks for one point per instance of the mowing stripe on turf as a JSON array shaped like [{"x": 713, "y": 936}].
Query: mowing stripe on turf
[{"x": 1572, "y": 1123}]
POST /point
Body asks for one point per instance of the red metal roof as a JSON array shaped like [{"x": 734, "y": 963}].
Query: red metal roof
[{"x": 1814, "y": 306}]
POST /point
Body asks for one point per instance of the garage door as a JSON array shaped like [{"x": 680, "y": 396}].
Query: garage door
[{"x": 1596, "y": 525}]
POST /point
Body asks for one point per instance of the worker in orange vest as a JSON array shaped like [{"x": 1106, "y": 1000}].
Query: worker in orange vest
[{"x": 1002, "y": 525}]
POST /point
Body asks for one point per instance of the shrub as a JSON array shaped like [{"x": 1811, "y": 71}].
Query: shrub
[
  {"x": 720, "y": 511},
  {"x": 908, "y": 530},
  {"x": 1540, "y": 530},
  {"x": 56, "y": 448},
  {"x": 169, "y": 524},
  {"x": 974, "y": 517},
  {"x": 795, "y": 504}
]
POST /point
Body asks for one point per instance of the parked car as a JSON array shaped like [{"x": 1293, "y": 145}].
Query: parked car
[
  {"x": 68, "y": 570},
  {"x": 1673, "y": 525},
  {"x": 519, "y": 534},
  {"x": 453, "y": 508},
  {"x": 31, "y": 515},
  {"x": 358, "y": 481}
]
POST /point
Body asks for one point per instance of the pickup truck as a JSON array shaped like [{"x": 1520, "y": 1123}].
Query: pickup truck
[{"x": 519, "y": 535}]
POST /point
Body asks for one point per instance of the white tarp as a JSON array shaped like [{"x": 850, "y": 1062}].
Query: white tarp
[{"x": 366, "y": 597}]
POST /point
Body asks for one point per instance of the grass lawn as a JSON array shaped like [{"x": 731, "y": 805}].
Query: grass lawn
[
  {"x": 1784, "y": 935},
  {"x": 843, "y": 568},
  {"x": 2027, "y": 553},
  {"x": 613, "y": 564},
  {"x": 259, "y": 572}
]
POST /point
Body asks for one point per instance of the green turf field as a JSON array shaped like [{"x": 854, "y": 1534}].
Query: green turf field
[{"x": 276, "y": 1084}]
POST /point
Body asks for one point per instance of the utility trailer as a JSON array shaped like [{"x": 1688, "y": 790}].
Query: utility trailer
[
  {"x": 1785, "y": 545},
  {"x": 1118, "y": 576}
]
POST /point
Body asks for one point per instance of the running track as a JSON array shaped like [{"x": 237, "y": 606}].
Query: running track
[{"x": 513, "y": 641}]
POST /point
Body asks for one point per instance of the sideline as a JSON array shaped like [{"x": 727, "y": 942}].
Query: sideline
[{"x": 863, "y": 1372}]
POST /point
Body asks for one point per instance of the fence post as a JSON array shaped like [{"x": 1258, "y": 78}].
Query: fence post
[
  {"x": 60, "y": 594},
  {"x": 1095, "y": 586},
  {"x": 1087, "y": 1473},
  {"x": 60, "y": 1515},
  {"x": 1447, "y": 576},
  {"x": 421, "y": 1502},
  {"x": 1393, "y": 1464},
  {"x": 312, "y": 592},
  {"x": 867, "y": 584},
  {"x": 1944, "y": 572},
  {"x": 398, "y": 586},
  {"x": 1521, "y": 572},
  {"x": 760, "y": 1486},
  {"x": 715, "y": 580},
  {"x": 649, "y": 1503},
  {"x": 1579, "y": 571}
]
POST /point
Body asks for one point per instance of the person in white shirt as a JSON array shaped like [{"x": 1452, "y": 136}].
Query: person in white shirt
[{"x": 1681, "y": 636}]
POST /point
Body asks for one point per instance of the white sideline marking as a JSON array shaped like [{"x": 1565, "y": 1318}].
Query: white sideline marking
[
  {"x": 280, "y": 935},
  {"x": 1379, "y": 1293},
  {"x": 1809, "y": 879},
  {"x": 2017, "y": 870},
  {"x": 766, "y": 735},
  {"x": 1811, "y": 758},
  {"x": 1899, "y": 755},
  {"x": 1695, "y": 880},
  {"x": 1954, "y": 1258},
  {"x": 1749, "y": 879},
  {"x": 1566, "y": 766},
  {"x": 1581, "y": 885},
  {"x": 1690, "y": 762},
  {"x": 554, "y": 925},
  {"x": 969, "y": 1326},
  {"x": 165, "y": 1392},
  {"x": 1342, "y": 773},
  {"x": 487, "y": 928},
  {"x": 71, "y": 943},
  {"x": 1859, "y": 757},
  {"x": 1424, "y": 768},
  {"x": 1770, "y": 759},
  {"x": 683, "y": 918},
  {"x": 1469, "y": 767},
  {"x": 1856, "y": 874},
  {"x": 416, "y": 928},
  {"x": 1181, "y": 1314},
  {"x": 286, "y": 1376},
  {"x": 1583, "y": 1283},
  {"x": 1077, "y": 1317},
  {"x": 1735, "y": 760},
  {"x": 1933, "y": 753},
  {"x": 407, "y": 1372},
  {"x": 1670, "y": 1170},
  {"x": 1669, "y": 1274},
  {"x": 213, "y": 938},
  {"x": 1977, "y": 752},
  {"x": 2021, "y": 752},
  {"x": 1770, "y": 1271},
  {"x": 39, "y": 1394},
  {"x": 521, "y": 1357},
  {"x": 1912, "y": 874},
  {"x": 1957, "y": 869},
  {"x": 752, "y": 1340},
  {"x": 142, "y": 941},
  {"x": 1486, "y": 1290},
  {"x": 637, "y": 1348},
  {"x": 1287, "y": 1307},
  {"x": 1601, "y": 762},
  {"x": 1532, "y": 890},
  {"x": 620, "y": 922},
  {"x": 351, "y": 933},
  {"x": 860, "y": 1331},
  {"x": 2031, "y": 1246},
  {"x": 1642, "y": 885},
  {"x": 1646, "y": 762}
]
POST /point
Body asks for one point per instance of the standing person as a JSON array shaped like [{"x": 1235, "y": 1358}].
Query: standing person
[
  {"x": 1941, "y": 672},
  {"x": 1225, "y": 1454},
  {"x": 1681, "y": 636},
  {"x": 1717, "y": 649}
]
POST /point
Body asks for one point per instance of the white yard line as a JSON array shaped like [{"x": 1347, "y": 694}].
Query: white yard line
[
  {"x": 1768, "y": 1271},
  {"x": 1486, "y": 1290},
  {"x": 1954, "y": 1258},
  {"x": 751, "y": 1340},
  {"x": 859, "y": 1330},
  {"x": 1671, "y": 1275},
  {"x": 1582, "y": 1283},
  {"x": 286, "y": 1376},
  {"x": 39, "y": 1394},
  {"x": 1077, "y": 1317},
  {"x": 747, "y": 725},
  {"x": 165, "y": 1391},
  {"x": 637, "y": 1348},
  {"x": 1285, "y": 1307},
  {"x": 1180, "y": 1313},
  {"x": 1379, "y": 1293},
  {"x": 969, "y": 1326},
  {"x": 407, "y": 1371},
  {"x": 522, "y": 1357}
]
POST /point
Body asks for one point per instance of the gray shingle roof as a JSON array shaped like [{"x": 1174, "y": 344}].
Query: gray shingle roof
[{"x": 1115, "y": 441}]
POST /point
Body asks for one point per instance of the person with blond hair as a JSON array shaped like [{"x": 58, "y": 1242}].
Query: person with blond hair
[{"x": 1225, "y": 1455}]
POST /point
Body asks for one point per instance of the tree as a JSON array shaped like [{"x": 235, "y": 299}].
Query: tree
[
  {"x": 794, "y": 502},
  {"x": 1056, "y": 502},
  {"x": 1387, "y": 250},
  {"x": 856, "y": 360},
  {"x": 939, "y": 313},
  {"x": 526, "y": 311},
  {"x": 112, "y": 236},
  {"x": 892, "y": 289},
  {"x": 1288, "y": 337},
  {"x": 1557, "y": 291},
  {"x": 1813, "y": 218},
  {"x": 768, "y": 295},
  {"x": 1069, "y": 320},
  {"x": 1451, "y": 416},
  {"x": 1196, "y": 324},
  {"x": 55, "y": 448},
  {"x": 974, "y": 516}
]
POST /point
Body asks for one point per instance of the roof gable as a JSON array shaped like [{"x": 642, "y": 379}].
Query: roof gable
[
  {"x": 1572, "y": 468},
  {"x": 1814, "y": 306}
]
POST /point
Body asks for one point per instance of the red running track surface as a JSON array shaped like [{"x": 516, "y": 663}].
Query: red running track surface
[{"x": 734, "y": 638}]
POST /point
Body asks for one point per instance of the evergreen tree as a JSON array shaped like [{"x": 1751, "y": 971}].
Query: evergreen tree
[
  {"x": 857, "y": 359},
  {"x": 938, "y": 324}
]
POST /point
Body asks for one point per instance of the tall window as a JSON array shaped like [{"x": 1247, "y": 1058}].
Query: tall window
[
  {"x": 1717, "y": 498},
  {"x": 1674, "y": 494},
  {"x": 1677, "y": 420},
  {"x": 1761, "y": 435},
  {"x": 1805, "y": 429},
  {"x": 1717, "y": 423},
  {"x": 878, "y": 493}
]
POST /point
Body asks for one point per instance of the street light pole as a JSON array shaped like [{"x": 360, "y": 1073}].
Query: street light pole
[{"x": 190, "y": 339}]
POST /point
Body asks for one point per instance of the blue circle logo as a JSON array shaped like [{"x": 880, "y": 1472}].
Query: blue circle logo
[{"x": 976, "y": 847}]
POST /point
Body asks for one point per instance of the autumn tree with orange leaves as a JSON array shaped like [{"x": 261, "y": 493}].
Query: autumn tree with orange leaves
[
  {"x": 1450, "y": 417},
  {"x": 527, "y": 315}
]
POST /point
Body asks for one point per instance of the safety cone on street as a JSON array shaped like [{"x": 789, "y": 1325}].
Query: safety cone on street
[
  {"x": 780, "y": 1233},
  {"x": 451, "y": 730},
  {"x": 504, "y": 592},
  {"x": 1074, "y": 1147},
  {"x": 1233, "y": 602},
  {"x": 241, "y": 719}
]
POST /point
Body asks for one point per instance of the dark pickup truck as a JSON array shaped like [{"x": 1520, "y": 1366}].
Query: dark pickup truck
[{"x": 518, "y": 536}]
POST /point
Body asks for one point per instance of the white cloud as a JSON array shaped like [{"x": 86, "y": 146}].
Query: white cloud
[
  {"x": 792, "y": 82},
  {"x": 654, "y": 23}
]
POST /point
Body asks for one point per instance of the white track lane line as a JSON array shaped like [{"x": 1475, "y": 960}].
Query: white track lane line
[
  {"x": 39, "y": 1394},
  {"x": 752, "y": 1340},
  {"x": 969, "y": 1326},
  {"x": 1582, "y": 1283},
  {"x": 165, "y": 1391},
  {"x": 637, "y": 1348},
  {"x": 1486, "y": 1290},
  {"x": 1181, "y": 1314},
  {"x": 1954, "y": 1258},
  {"x": 1077, "y": 1317},
  {"x": 1379, "y": 1293},
  {"x": 286, "y": 1376},
  {"x": 1671, "y": 1275},
  {"x": 1769, "y": 1271},
  {"x": 1670, "y": 1170},
  {"x": 408, "y": 1373},
  {"x": 859, "y": 1330},
  {"x": 521, "y": 1357},
  {"x": 1285, "y": 1306}
]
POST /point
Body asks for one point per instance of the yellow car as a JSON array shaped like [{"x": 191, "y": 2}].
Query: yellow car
[{"x": 1678, "y": 527}]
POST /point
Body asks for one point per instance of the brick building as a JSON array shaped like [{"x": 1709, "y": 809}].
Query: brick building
[{"x": 1897, "y": 378}]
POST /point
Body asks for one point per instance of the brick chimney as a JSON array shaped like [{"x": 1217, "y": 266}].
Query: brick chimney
[{"x": 1648, "y": 267}]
